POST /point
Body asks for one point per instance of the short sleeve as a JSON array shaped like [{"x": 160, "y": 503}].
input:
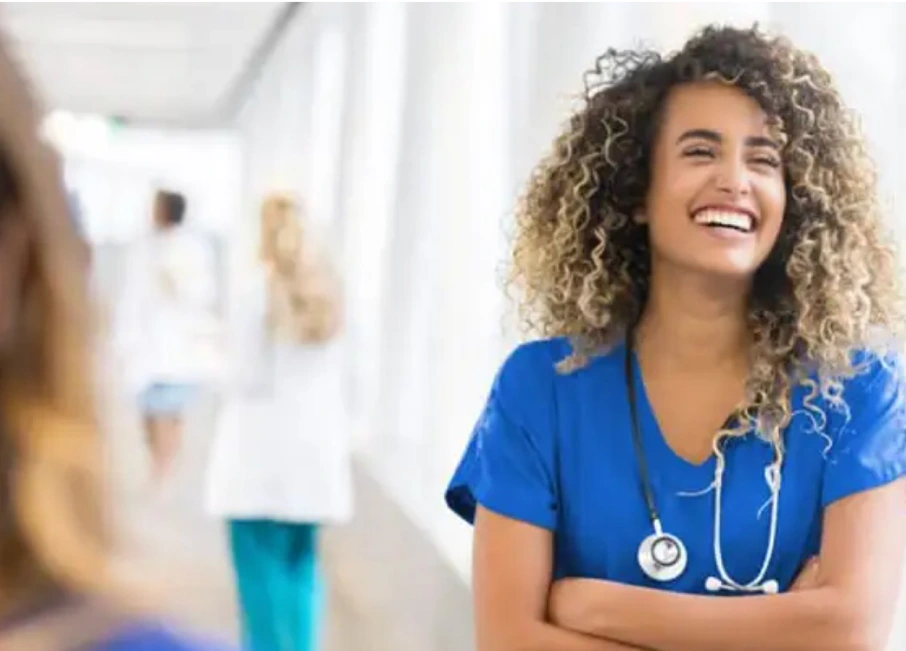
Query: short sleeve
[
  {"x": 508, "y": 466},
  {"x": 869, "y": 449}
]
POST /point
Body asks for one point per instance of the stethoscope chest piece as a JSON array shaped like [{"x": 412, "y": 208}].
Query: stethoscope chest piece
[{"x": 663, "y": 556}]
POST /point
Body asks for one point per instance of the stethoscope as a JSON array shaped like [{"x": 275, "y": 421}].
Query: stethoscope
[{"x": 663, "y": 556}]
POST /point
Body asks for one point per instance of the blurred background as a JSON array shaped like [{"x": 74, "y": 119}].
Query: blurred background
[{"x": 407, "y": 131}]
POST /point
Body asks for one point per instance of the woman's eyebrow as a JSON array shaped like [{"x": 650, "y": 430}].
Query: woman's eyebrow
[
  {"x": 762, "y": 141},
  {"x": 700, "y": 134},
  {"x": 715, "y": 137}
]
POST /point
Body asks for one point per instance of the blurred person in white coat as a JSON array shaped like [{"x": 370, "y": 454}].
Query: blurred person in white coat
[
  {"x": 167, "y": 328},
  {"x": 280, "y": 461}
]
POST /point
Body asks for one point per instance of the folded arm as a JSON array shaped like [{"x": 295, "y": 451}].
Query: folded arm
[
  {"x": 852, "y": 608},
  {"x": 511, "y": 577}
]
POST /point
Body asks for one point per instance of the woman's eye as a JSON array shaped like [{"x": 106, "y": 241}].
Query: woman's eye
[
  {"x": 699, "y": 152},
  {"x": 767, "y": 161}
]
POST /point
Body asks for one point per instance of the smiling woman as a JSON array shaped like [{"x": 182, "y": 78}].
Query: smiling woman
[{"x": 715, "y": 410}]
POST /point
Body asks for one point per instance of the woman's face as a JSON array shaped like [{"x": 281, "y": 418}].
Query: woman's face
[{"x": 716, "y": 198}]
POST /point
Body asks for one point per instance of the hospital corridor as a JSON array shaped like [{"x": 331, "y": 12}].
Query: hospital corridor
[
  {"x": 169, "y": 543},
  {"x": 315, "y": 316}
]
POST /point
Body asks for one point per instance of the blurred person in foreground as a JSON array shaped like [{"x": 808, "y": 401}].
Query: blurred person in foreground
[
  {"x": 280, "y": 461},
  {"x": 168, "y": 326},
  {"x": 56, "y": 589}
]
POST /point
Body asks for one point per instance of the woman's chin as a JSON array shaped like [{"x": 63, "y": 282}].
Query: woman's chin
[{"x": 730, "y": 269}]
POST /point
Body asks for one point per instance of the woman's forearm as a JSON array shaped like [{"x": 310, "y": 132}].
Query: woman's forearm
[{"x": 796, "y": 621}]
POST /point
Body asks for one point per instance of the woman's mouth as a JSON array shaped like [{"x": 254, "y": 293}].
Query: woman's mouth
[{"x": 721, "y": 218}]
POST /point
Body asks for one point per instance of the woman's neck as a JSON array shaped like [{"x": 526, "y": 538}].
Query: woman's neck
[{"x": 693, "y": 323}]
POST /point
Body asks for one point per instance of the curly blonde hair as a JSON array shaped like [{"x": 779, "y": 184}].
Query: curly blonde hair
[{"x": 829, "y": 287}]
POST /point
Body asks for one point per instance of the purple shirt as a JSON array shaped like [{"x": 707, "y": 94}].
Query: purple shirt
[{"x": 150, "y": 636}]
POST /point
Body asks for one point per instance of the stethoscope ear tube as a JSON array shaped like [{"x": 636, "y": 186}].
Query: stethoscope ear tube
[{"x": 641, "y": 459}]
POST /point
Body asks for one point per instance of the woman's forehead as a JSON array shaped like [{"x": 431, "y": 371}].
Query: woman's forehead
[{"x": 714, "y": 106}]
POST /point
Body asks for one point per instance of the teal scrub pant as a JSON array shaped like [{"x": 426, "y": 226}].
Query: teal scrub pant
[{"x": 279, "y": 584}]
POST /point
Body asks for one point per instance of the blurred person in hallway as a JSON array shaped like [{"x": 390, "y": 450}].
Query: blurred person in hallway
[
  {"x": 280, "y": 460},
  {"x": 168, "y": 327},
  {"x": 56, "y": 586}
]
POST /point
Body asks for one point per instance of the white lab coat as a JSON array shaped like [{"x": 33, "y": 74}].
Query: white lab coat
[
  {"x": 281, "y": 448},
  {"x": 169, "y": 333}
]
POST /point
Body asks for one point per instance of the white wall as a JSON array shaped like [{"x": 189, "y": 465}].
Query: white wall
[
  {"x": 116, "y": 171},
  {"x": 440, "y": 113}
]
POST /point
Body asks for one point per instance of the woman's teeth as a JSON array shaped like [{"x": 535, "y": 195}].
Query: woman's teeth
[{"x": 735, "y": 220}]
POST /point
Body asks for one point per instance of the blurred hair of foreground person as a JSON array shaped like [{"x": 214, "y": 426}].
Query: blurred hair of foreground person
[
  {"x": 56, "y": 593},
  {"x": 280, "y": 462}
]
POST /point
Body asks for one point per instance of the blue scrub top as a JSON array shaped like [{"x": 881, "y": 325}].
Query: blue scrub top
[{"x": 556, "y": 450}]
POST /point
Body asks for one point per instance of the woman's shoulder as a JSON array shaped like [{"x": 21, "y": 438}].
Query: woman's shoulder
[
  {"x": 870, "y": 394},
  {"x": 874, "y": 373},
  {"x": 537, "y": 354},
  {"x": 867, "y": 441},
  {"x": 529, "y": 370},
  {"x": 509, "y": 465},
  {"x": 547, "y": 361},
  {"x": 874, "y": 394},
  {"x": 868, "y": 369},
  {"x": 533, "y": 384}
]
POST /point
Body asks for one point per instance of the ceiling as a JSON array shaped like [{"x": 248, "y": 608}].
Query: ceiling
[{"x": 161, "y": 63}]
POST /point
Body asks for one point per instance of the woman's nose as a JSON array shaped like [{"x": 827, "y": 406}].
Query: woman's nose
[{"x": 732, "y": 177}]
